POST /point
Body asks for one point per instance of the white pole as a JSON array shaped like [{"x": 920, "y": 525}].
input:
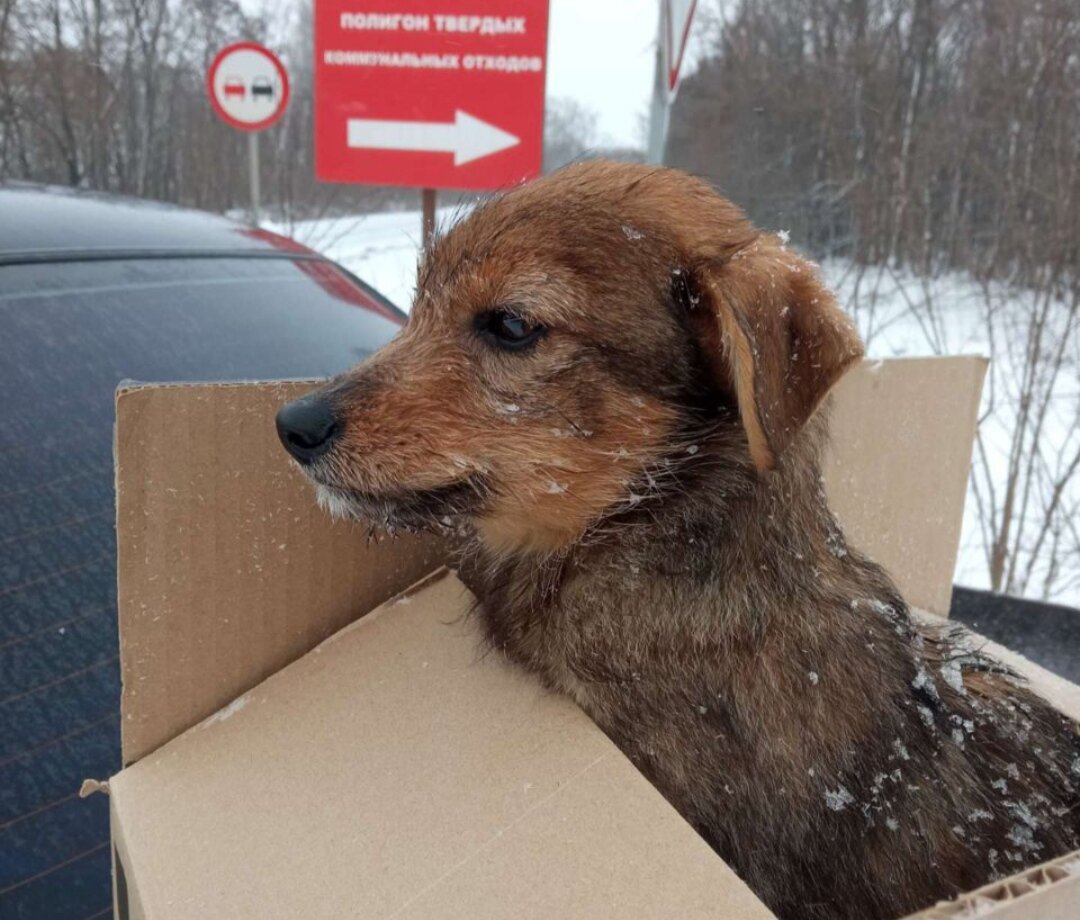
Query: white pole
[
  {"x": 659, "y": 108},
  {"x": 253, "y": 169}
]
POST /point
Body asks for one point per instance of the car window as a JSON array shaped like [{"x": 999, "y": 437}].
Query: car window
[{"x": 69, "y": 333}]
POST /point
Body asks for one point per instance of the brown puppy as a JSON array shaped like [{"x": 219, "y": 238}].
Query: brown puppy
[{"x": 611, "y": 377}]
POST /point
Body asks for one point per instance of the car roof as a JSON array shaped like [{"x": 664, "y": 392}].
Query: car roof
[{"x": 50, "y": 223}]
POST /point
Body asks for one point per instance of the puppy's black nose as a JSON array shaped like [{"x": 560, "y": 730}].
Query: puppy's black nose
[{"x": 308, "y": 427}]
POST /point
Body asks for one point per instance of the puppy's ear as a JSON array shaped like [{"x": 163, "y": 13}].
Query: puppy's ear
[{"x": 777, "y": 338}]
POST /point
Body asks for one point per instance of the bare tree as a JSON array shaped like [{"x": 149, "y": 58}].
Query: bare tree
[
  {"x": 1027, "y": 493},
  {"x": 569, "y": 132},
  {"x": 912, "y": 138}
]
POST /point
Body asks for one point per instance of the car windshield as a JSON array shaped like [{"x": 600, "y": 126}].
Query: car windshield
[{"x": 69, "y": 333}]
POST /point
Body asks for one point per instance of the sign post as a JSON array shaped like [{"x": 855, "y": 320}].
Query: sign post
[
  {"x": 253, "y": 169},
  {"x": 430, "y": 94},
  {"x": 428, "y": 201},
  {"x": 249, "y": 90},
  {"x": 673, "y": 34}
]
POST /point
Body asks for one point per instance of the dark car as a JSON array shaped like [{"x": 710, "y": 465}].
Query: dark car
[{"x": 94, "y": 290}]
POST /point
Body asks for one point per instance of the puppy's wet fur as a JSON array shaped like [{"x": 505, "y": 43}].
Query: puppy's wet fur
[{"x": 647, "y": 532}]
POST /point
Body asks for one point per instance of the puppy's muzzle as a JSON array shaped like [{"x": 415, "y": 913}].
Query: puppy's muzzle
[{"x": 308, "y": 427}]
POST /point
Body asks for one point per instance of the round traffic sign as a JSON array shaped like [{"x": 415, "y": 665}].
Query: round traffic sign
[{"x": 248, "y": 86}]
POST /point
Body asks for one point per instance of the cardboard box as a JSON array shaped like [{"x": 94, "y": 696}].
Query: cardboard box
[{"x": 287, "y": 756}]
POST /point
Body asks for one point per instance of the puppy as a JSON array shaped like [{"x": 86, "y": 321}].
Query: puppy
[{"x": 611, "y": 378}]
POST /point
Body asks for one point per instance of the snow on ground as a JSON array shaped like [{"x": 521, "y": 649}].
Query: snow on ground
[
  {"x": 898, "y": 313},
  {"x": 901, "y": 314},
  {"x": 379, "y": 248}
]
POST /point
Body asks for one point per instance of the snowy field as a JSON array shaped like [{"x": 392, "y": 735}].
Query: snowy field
[
  {"x": 899, "y": 314},
  {"x": 379, "y": 248}
]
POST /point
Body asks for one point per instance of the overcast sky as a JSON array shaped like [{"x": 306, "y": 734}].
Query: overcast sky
[{"x": 600, "y": 52}]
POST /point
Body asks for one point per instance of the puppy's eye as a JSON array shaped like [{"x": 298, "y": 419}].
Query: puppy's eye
[{"x": 508, "y": 330}]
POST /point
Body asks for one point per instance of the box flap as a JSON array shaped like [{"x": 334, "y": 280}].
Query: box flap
[
  {"x": 398, "y": 771},
  {"x": 227, "y": 569},
  {"x": 897, "y": 470}
]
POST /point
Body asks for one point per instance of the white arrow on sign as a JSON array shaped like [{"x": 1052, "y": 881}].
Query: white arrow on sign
[{"x": 466, "y": 137}]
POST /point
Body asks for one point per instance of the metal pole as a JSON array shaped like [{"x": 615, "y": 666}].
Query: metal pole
[
  {"x": 660, "y": 105},
  {"x": 253, "y": 169},
  {"x": 428, "y": 199}
]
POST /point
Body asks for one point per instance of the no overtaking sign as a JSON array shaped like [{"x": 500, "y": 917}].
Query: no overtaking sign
[
  {"x": 248, "y": 86},
  {"x": 249, "y": 90},
  {"x": 430, "y": 93}
]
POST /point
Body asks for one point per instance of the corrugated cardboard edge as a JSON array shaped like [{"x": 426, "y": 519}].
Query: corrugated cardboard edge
[
  {"x": 127, "y": 905},
  {"x": 1050, "y": 891}
]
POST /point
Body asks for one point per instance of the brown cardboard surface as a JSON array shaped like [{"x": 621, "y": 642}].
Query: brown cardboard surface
[
  {"x": 396, "y": 771},
  {"x": 227, "y": 569},
  {"x": 896, "y": 475}
]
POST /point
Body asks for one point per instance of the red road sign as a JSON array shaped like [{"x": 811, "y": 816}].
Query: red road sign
[
  {"x": 678, "y": 17},
  {"x": 248, "y": 86},
  {"x": 430, "y": 93}
]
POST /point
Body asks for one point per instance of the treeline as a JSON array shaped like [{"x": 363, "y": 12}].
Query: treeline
[
  {"x": 930, "y": 133},
  {"x": 933, "y": 146},
  {"x": 110, "y": 94}
]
